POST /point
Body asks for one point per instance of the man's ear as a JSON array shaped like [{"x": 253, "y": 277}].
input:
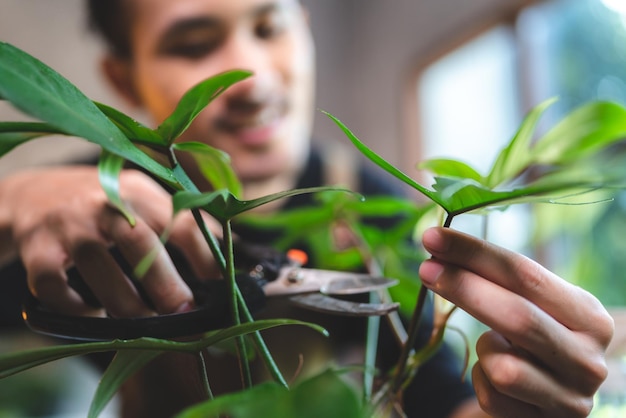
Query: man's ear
[{"x": 119, "y": 74}]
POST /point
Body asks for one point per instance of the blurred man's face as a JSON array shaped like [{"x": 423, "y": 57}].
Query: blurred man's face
[{"x": 263, "y": 122}]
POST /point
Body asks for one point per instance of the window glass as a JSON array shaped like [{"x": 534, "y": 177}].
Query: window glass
[
  {"x": 578, "y": 53},
  {"x": 460, "y": 93},
  {"x": 469, "y": 104}
]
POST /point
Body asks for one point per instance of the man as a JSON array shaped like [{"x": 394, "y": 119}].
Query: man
[{"x": 544, "y": 354}]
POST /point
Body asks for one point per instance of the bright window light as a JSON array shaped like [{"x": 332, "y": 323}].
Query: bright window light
[{"x": 618, "y": 6}]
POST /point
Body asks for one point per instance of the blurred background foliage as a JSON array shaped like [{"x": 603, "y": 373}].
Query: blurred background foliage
[{"x": 585, "y": 59}]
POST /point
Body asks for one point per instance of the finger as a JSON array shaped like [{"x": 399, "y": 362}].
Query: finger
[
  {"x": 187, "y": 237},
  {"x": 573, "y": 356},
  {"x": 108, "y": 282},
  {"x": 568, "y": 304},
  {"x": 155, "y": 209},
  {"x": 44, "y": 260},
  {"x": 497, "y": 404},
  {"x": 512, "y": 373},
  {"x": 162, "y": 283}
]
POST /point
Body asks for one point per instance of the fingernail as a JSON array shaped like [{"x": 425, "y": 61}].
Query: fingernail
[
  {"x": 185, "y": 307},
  {"x": 429, "y": 271},
  {"x": 435, "y": 241}
]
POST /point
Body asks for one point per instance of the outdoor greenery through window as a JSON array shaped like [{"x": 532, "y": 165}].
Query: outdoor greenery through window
[{"x": 571, "y": 49}]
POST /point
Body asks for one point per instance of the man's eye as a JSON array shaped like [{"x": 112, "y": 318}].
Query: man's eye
[
  {"x": 191, "y": 50},
  {"x": 271, "y": 27}
]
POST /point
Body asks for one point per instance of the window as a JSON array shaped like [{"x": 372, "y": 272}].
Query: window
[
  {"x": 473, "y": 98},
  {"x": 470, "y": 108}
]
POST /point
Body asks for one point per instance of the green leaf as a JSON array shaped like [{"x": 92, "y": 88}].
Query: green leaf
[
  {"x": 133, "y": 130},
  {"x": 13, "y": 134},
  {"x": 109, "y": 168},
  {"x": 41, "y": 92},
  {"x": 325, "y": 395},
  {"x": 196, "y": 99},
  {"x": 214, "y": 164},
  {"x": 124, "y": 365},
  {"x": 444, "y": 167},
  {"x": 588, "y": 130},
  {"x": 13, "y": 363},
  {"x": 515, "y": 158},
  {"x": 224, "y": 206},
  {"x": 582, "y": 132},
  {"x": 9, "y": 141},
  {"x": 378, "y": 160},
  {"x": 463, "y": 195},
  {"x": 30, "y": 127}
]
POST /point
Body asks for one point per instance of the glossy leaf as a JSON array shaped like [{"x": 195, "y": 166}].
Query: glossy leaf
[
  {"x": 214, "y": 165},
  {"x": 14, "y": 134},
  {"x": 41, "y": 92},
  {"x": 445, "y": 167},
  {"x": 598, "y": 125},
  {"x": 582, "y": 132},
  {"x": 314, "y": 224},
  {"x": 11, "y": 140},
  {"x": 381, "y": 162},
  {"x": 133, "y": 130},
  {"x": 461, "y": 196},
  {"x": 195, "y": 100},
  {"x": 13, "y": 363},
  {"x": 224, "y": 206},
  {"x": 123, "y": 365},
  {"x": 325, "y": 395},
  {"x": 109, "y": 168},
  {"x": 515, "y": 157},
  {"x": 30, "y": 127}
]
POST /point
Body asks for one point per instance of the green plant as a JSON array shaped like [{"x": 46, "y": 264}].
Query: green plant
[
  {"x": 62, "y": 109},
  {"x": 578, "y": 156},
  {"x": 568, "y": 160}
]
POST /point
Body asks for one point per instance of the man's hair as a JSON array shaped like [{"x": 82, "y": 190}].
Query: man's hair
[{"x": 111, "y": 19}]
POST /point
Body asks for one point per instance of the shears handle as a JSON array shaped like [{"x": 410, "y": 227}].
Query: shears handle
[
  {"x": 210, "y": 298},
  {"x": 214, "y": 313},
  {"x": 261, "y": 263}
]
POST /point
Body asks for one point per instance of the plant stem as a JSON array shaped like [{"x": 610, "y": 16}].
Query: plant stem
[
  {"x": 234, "y": 303},
  {"x": 245, "y": 313},
  {"x": 211, "y": 241},
  {"x": 410, "y": 342},
  {"x": 448, "y": 221},
  {"x": 261, "y": 346},
  {"x": 371, "y": 349},
  {"x": 205, "y": 378},
  {"x": 422, "y": 296}
]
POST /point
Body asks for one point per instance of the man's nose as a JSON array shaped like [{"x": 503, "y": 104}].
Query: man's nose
[{"x": 246, "y": 53}]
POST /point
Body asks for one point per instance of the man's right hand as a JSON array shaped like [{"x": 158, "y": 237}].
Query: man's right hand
[{"x": 54, "y": 218}]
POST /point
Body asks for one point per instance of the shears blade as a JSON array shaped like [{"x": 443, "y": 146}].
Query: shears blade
[
  {"x": 322, "y": 303},
  {"x": 311, "y": 289},
  {"x": 295, "y": 280}
]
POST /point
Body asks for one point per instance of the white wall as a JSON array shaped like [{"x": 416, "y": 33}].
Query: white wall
[{"x": 382, "y": 42}]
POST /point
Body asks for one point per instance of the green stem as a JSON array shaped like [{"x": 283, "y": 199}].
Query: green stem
[
  {"x": 247, "y": 316},
  {"x": 214, "y": 245},
  {"x": 413, "y": 331},
  {"x": 398, "y": 378},
  {"x": 203, "y": 374},
  {"x": 234, "y": 303},
  {"x": 261, "y": 346},
  {"x": 371, "y": 349}
]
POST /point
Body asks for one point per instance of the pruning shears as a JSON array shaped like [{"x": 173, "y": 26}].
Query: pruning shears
[{"x": 262, "y": 272}]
